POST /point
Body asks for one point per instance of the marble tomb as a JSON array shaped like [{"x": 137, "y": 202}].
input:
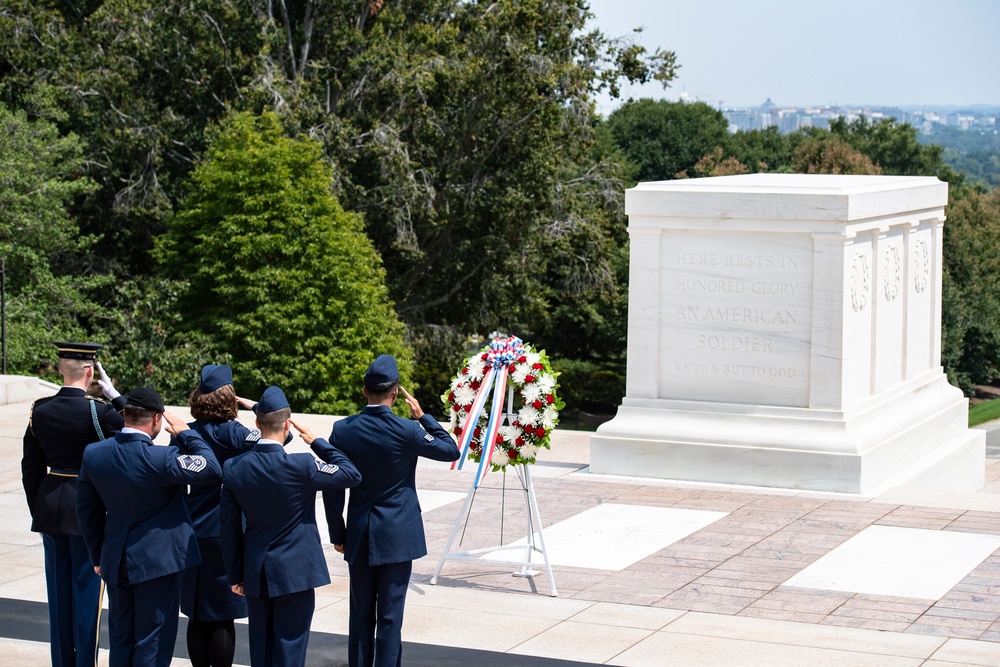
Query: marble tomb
[{"x": 784, "y": 330}]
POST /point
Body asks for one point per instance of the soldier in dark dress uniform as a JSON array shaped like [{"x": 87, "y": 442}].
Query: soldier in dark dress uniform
[
  {"x": 59, "y": 428},
  {"x": 130, "y": 502},
  {"x": 384, "y": 531},
  {"x": 270, "y": 543},
  {"x": 206, "y": 597}
]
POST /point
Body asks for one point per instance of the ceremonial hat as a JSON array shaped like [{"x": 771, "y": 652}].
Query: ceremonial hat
[
  {"x": 272, "y": 400},
  {"x": 382, "y": 371},
  {"x": 145, "y": 397},
  {"x": 214, "y": 377},
  {"x": 77, "y": 350}
]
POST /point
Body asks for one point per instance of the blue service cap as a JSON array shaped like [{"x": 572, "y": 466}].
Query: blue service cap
[
  {"x": 214, "y": 377},
  {"x": 272, "y": 400},
  {"x": 382, "y": 371}
]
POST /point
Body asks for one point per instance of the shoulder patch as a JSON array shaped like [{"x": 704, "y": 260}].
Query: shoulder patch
[
  {"x": 253, "y": 435},
  {"x": 192, "y": 462},
  {"x": 428, "y": 437},
  {"x": 327, "y": 468}
]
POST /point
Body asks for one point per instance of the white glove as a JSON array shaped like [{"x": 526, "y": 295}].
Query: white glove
[{"x": 109, "y": 390}]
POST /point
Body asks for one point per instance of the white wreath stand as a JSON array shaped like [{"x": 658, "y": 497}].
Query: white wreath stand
[{"x": 534, "y": 528}]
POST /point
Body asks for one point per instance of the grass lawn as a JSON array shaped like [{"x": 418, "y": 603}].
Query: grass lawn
[{"x": 984, "y": 412}]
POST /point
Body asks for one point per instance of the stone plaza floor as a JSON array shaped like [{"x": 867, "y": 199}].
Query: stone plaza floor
[{"x": 647, "y": 572}]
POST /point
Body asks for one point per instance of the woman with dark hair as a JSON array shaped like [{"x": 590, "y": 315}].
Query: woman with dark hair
[{"x": 206, "y": 598}]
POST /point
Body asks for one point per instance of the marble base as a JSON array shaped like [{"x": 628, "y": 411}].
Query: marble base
[{"x": 915, "y": 435}]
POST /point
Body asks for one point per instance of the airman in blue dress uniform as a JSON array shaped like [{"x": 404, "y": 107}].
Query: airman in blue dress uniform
[
  {"x": 130, "y": 503},
  {"x": 384, "y": 532},
  {"x": 277, "y": 559},
  {"x": 59, "y": 428},
  {"x": 206, "y": 597}
]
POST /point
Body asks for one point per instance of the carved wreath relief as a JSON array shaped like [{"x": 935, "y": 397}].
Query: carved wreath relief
[
  {"x": 892, "y": 273},
  {"x": 921, "y": 266},
  {"x": 860, "y": 282}
]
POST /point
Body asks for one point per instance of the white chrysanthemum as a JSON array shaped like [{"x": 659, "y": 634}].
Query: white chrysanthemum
[
  {"x": 510, "y": 433},
  {"x": 499, "y": 458},
  {"x": 519, "y": 372},
  {"x": 458, "y": 381},
  {"x": 549, "y": 416},
  {"x": 477, "y": 369},
  {"x": 529, "y": 452},
  {"x": 546, "y": 382},
  {"x": 528, "y": 415},
  {"x": 532, "y": 358},
  {"x": 464, "y": 395},
  {"x": 531, "y": 393}
]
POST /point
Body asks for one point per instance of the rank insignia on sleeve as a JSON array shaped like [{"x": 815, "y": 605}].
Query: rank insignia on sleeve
[
  {"x": 253, "y": 435},
  {"x": 192, "y": 462},
  {"x": 428, "y": 437},
  {"x": 327, "y": 468}
]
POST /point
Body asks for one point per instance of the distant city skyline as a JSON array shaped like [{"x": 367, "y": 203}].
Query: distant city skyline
[{"x": 738, "y": 53}]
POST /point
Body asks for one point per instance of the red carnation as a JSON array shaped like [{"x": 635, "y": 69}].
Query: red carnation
[
  {"x": 458, "y": 430},
  {"x": 477, "y": 433},
  {"x": 550, "y": 399},
  {"x": 484, "y": 356},
  {"x": 465, "y": 370},
  {"x": 456, "y": 407},
  {"x": 451, "y": 396},
  {"x": 474, "y": 385},
  {"x": 522, "y": 359},
  {"x": 516, "y": 424},
  {"x": 519, "y": 441},
  {"x": 529, "y": 429},
  {"x": 512, "y": 453},
  {"x": 537, "y": 404},
  {"x": 537, "y": 367},
  {"x": 540, "y": 432},
  {"x": 499, "y": 439},
  {"x": 529, "y": 379}
]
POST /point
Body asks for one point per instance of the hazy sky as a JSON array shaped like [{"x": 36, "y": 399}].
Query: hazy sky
[{"x": 798, "y": 52}]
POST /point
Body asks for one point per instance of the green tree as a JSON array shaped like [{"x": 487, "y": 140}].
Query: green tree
[
  {"x": 666, "y": 139},
  {"x": 284, "y": 280},
  {"x": 892, "y": 146},
  {"x": 46, "y": 282},
  {"x": 971, "y": 290},
  {"x": 829, "y": 154},
  {"x": 139, "y": 80}
]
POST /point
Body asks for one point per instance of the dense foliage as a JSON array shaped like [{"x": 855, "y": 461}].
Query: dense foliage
[{"x": 462, "y": 140}]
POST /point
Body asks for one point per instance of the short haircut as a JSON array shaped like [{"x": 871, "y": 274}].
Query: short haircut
[
  {"x": 73, "y": 369},
  {"x": 136, "y": 416},
  {"x": 216, "y": 406},
  {"x": 273, "y": 421},
  {"x": 379, "y": 392}
]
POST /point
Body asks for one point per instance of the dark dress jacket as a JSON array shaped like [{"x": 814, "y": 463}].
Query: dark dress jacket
[
  {"x": 274, "y": 493},
  {"x": 130, "y": 502},
  {"x": 59, "y": 429},
  {"x": 385, "y": 448}
]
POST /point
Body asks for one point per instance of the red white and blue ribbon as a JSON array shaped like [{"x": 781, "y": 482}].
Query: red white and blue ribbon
[{"x": 502, "y": 354}]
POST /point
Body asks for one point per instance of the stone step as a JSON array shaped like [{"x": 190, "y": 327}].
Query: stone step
[{"x": 23, "y": 389}]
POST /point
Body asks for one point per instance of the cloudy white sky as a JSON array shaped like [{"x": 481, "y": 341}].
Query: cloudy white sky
[{"x": 798, "y": 52}]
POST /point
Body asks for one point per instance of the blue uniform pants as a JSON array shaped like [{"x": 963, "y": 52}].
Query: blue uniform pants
[
  {"x": 378, "y": 595},
  {"x": 143, "y": 622},
  {"x": 279, "y": 629},
  {"x": 74, "y": 591}
]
